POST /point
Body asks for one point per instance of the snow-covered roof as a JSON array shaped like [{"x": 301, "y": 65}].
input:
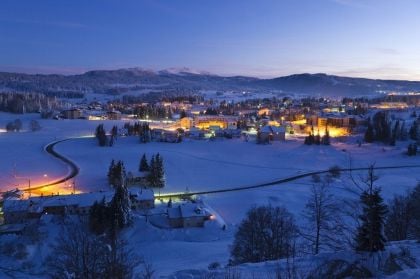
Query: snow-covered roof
[
  {"x": 187, "y": 210},
  {"x": 15, "y": 205},
  {"x": 280, "y": 129},
  {"x": 142, "y": 194},
  {"x": 273, "y": 129},
  {"x": 37, "y": 204}
]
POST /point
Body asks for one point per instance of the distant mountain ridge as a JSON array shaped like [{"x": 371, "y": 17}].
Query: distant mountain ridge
[{"x": 104, "y": 80}]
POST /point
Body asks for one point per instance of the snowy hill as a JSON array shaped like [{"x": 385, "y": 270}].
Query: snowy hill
[{"x": 111, "y": 81}]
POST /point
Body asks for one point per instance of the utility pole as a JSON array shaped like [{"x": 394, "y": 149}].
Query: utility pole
[{"x": 29, "y": 187}]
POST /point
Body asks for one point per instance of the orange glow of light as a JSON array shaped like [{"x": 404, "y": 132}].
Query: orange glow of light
[
  {"x": 299, "y": 122},
  {"x": 333, "y": 131}
]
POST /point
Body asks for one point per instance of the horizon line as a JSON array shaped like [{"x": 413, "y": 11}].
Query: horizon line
[{"x": 73, "y": 71}]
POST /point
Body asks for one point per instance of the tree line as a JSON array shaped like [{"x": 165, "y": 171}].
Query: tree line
[{"x": 154, "y": 171}]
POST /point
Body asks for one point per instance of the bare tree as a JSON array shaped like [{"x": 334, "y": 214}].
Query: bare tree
[
  {"x": 80, "y": 254},
  {"x": 34, "y": 126},
  {"x": 399, "y": 218},
  {"x": 267, "y": 233},
  {"x": 323, "y": 227},
  {"x": 77, "y": 254}
]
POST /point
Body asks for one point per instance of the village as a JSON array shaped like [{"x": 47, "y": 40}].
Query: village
[
  {"x": 268, "y": 119},
  {"x": 261, "y": 121},
  {"x": 212, "y": 150}
]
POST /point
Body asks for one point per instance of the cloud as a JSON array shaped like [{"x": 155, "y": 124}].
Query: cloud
[
  {"x": 384, "y": 72},
  {"x": 65, "y": 24},
  {"x": 388, "y": 51},
  {"x": 351, "y": 3},
  {"x": 44, "y": 69}
]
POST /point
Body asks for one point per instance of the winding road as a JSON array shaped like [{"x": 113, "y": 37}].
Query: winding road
[{"x": 74, "y": 171}]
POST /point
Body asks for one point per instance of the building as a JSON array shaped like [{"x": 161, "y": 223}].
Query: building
[
  {"x": 186, "y": 123},
  {"x": 73, "y": 113},
  {"x": 20, "y": 211},
  {"x": 188, "y": 215},
  {"x": 113, "y": 115},
  {"x": 165, "y": 135},
  {"x": 223, "y": 122},
  {"x": 142, "y": 198},
  {"x": 273, "y": 133}
]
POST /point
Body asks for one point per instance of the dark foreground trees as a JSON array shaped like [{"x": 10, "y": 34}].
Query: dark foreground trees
[
  {"x": 267, "y": 233},
  {"x": 156, "y": 175},
  {"x": 80, "y": 254},
  {"x": 403, "y": 218},
  {"x": 370, "y": 237}
]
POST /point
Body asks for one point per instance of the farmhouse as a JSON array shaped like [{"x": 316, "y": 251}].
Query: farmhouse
[{"x": 188, "y": 215}]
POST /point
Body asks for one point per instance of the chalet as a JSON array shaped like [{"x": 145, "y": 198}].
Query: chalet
[{"x": 188, "y": 215}]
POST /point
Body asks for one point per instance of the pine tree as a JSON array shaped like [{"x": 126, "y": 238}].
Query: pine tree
[
  {"x": 156, "y": 175},
  {"x": 160, "y": 172},
  {"x": 152, "y": 172},
  {"x": 413, "y": 131},
  {"x": 110, "y": 174},
  {"x": 369, "y": 134},
  {"x": 116, "y": 173},
  {"x": 326, "y": 138},
  {"x": 370, "y": 236},
  {"x": 101, "y": 135},
  {"x": 317, "y": 139},
  {"x": 120, "y": 209},
  {"x": 98, "y": 217},
  {"x": 144, "y": 166},
  {"x": 120, "y": 174}
]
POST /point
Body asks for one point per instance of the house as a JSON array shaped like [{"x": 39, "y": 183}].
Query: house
[
  {"x": 165, "y": 135},
  {"x": 20, "y": 211},
  {"x": 136, "y": 180},
  {"x": 188, "y": 215},
  {"x": 223, "y": 122},
  {"x": 113, "y": 115},
  {"x": 195, "y": 133},
  {"x": 73, "y": 113},
  {"x": 186, "y": 123},
  {"x": 15, "y": 211},
  {"x": 142, "y": 198},
  {"x": 273, "y": 133}
]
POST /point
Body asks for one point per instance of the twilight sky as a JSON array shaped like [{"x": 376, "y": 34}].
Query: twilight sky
[{"x": 265, "y": 38}]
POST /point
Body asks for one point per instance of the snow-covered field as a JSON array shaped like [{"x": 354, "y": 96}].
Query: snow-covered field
[{"x": 196, "y": 166}]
